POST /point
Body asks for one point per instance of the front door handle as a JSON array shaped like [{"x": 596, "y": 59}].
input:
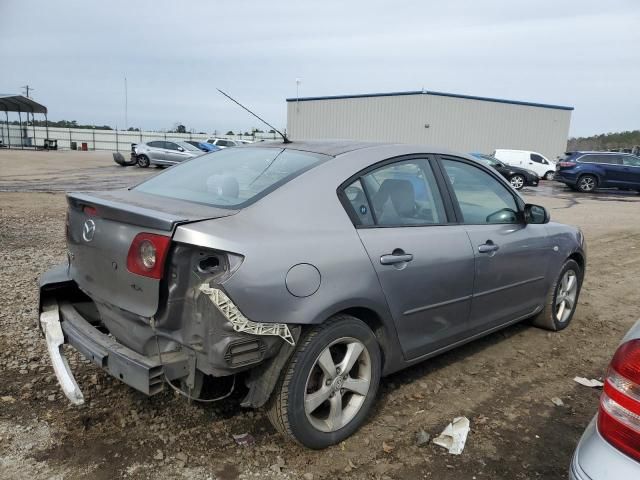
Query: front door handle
[
  {"x": 398, "y": 256},
  {"x": 488, "y": 247}
]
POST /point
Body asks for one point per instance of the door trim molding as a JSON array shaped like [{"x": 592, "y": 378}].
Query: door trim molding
[
  {"x": 506, "y": 287},
  {"x": 437, "y": 305}
]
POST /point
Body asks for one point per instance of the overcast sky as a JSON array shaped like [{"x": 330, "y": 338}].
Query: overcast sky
[{"x": 582, "y": 53}]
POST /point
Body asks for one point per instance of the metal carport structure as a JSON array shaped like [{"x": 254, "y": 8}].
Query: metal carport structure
[{"x": 20, "y": 104}]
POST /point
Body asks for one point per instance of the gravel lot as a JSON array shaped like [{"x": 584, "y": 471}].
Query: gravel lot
[{"x": 503, "y": 383}]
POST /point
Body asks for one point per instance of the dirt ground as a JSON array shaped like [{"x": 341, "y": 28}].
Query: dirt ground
[{"x": 503, "y": 383}]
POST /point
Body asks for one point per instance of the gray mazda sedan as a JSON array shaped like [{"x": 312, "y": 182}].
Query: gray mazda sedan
[{"x": 302, "y": 272}]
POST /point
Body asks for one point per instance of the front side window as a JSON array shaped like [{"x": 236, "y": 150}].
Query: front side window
[
  {"x": 537, "y": 158},
  {"x": 481, "y": 197},
  {"x": 170, "y": 146},
  {"x": 232, "y": 177},
  {"x": 405, "y": 193}
]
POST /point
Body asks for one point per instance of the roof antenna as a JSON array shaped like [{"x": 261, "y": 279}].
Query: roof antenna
[{"x": 284, "y": 137}]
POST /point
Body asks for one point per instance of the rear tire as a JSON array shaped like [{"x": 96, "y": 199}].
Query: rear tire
[
  {"x": 562, "y": 299},
  {"x": 587, "y": 183},
  {"x": 143, "y": 161},
  {"x": 325, "y": 392}
]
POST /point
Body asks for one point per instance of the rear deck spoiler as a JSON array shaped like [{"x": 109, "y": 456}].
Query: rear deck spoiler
[{"x": 145, "y": 210}]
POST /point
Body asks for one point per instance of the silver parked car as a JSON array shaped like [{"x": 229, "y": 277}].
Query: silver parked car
[
  {"x": 610, "y": 446},
  {"x": 308, "y": 270},
  {"x": 164, "y": 152}
]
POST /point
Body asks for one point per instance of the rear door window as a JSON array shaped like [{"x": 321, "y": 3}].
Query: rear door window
[{"x": 405, "y": 193}]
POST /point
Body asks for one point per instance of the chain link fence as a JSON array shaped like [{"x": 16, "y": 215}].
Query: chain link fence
[{"x": 98, "y": 139}]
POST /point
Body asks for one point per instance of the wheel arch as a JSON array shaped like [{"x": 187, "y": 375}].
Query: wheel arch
[{"x": 579, "y": 259}]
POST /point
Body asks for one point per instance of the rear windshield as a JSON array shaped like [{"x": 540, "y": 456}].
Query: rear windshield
[{"x": 231, "y": 178}]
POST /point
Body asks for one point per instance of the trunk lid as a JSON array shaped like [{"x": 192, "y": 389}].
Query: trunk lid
[{"x": 100, "y": 229}]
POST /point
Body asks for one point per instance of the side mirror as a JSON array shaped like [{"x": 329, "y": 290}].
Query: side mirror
[
  {"x": 536, "y": 214},
  {"x": 180, "y": 149}
]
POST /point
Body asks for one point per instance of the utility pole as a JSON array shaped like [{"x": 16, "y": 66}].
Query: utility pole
[
  {"x": 126, "y": 105},
  {"x": 27, "y": 89}
]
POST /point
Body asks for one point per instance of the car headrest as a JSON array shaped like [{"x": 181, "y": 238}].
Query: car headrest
[{"x": 401, "y": 193}]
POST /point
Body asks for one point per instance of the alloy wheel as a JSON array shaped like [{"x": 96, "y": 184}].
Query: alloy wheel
[
  {"x": 517, "y": 182},
  {"x": 587, "y": 184},
  {"x": 566, "y": 294},
  {"x": 338, "y": 384}
]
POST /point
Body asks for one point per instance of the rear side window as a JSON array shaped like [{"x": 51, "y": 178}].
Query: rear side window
[
  {"x": 631, "y": 161},
  {"x": 231, "y": 178},
  {"x": 482, "y": 199},
  {"x": 359, "y": 204},
  {"x": 610, "y": 159},
  {"x": 156, "y": 144}
]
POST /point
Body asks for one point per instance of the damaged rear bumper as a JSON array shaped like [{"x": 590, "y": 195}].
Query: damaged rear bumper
[
  {"x": 61, "y": 323},
  {"x": 159, "y": 349}
]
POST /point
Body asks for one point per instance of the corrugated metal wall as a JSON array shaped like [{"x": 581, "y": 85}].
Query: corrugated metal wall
[{"x": 460, "y": 124}]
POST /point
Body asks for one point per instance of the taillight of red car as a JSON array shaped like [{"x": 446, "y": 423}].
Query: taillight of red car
[
  {"x": 567, "y": 164},
  {"x": 147, "y": 255},
  {"x": 619, "y": 414}
]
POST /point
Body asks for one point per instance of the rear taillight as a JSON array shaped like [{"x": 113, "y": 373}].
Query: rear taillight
[
  {"x": 619, "y": 414},
  {"x": 147, "y": 254},
  {"x": 567, "y": 164},
  {"x": 90, "y": 211}
]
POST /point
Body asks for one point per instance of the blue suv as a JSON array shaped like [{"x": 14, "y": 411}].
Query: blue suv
[{"x": 586, "y": 171}]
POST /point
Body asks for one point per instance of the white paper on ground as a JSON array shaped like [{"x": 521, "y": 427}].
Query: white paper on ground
[
  {"x": 588, "y": 383},
  {"x": 454, "y": 436}
]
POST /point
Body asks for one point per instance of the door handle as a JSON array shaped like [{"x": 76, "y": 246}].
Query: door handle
[
  {"x": 488, "y": 247},
  {"x": 398, "y": 256}
]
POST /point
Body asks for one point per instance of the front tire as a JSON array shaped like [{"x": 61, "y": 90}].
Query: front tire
[
  {"x": 562, "y": 299},
  {"x": 587, "y": 183},
  {"x": 143, "y": 161},
  {"x": 517, "y": 182},
  {"x": 329, "y": 385},
  {"x": 549, "y": 175}
]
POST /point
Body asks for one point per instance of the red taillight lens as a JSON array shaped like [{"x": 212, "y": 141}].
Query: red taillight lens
[
  {"x": 147, "y": 254},
  {"x": 567, "y": 164},
  {"x": 619, "y": 414},
  {"x": 90, "y": 211}
]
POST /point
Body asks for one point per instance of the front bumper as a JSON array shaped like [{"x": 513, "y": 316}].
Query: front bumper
[{"x": 596, "y": 459}]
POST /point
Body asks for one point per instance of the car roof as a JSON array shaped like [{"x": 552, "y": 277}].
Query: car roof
[
  {"x": 598, "y": 152},
  {"x": 334, "y": 148}
]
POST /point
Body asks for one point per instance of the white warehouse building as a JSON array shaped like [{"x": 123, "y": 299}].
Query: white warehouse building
[{"x": 461, "y": 123}]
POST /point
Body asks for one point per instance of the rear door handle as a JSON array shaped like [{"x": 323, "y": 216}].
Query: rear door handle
[
  {"x": 488, "y": 247},
  {"x": 398, "y": 256}
]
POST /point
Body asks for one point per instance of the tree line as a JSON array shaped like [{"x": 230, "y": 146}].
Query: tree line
[{"x": 605, "y": 141}]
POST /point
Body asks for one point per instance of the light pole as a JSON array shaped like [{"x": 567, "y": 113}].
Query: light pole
[{"x": 298, "y": 82}]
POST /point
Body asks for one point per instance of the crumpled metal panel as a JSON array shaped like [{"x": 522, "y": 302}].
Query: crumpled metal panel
[{"x": 240, "y": 322}]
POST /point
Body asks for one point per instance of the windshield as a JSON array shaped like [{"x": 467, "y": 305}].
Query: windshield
[{"x": 233, "y": 177}]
